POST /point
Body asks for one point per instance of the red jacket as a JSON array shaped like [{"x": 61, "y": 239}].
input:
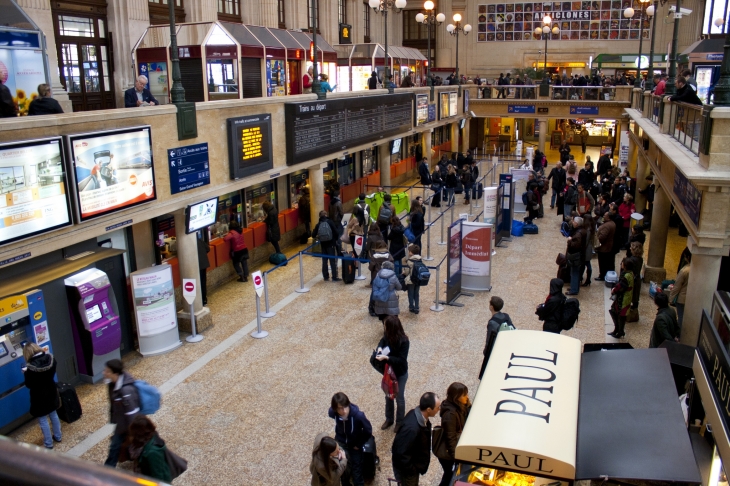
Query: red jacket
[
  {"x": 625, "y": 211},
  {"x": 235, "y": 240}
]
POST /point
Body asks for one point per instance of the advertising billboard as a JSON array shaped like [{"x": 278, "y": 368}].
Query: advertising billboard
[
  {"x": 421, "y": 109},
  {"x": 21, "y": 70},
  {"x": 112, "y": 170},
  {"x": 34, "y": 191}
]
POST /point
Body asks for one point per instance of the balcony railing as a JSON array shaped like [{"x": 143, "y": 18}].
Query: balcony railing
[
  {"x": 565, "y": 93},
  {"x": 656, "y": 109},
  {"x": 685, "y": 125}
]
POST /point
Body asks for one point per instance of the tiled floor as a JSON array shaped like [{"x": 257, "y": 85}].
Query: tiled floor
[{"x": 249, "y": 414}]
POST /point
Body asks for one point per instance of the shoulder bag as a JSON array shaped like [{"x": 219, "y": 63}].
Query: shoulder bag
[
  {"x": 438, "y": 443},
  {"x": 389, "y": 384},
  {"x": 177, "y": 464}
]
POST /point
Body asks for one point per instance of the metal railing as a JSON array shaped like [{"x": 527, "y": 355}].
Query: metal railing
[
  {"x": 656, "y": 109},
  {"x": 574, "y": 93},
  {"x": 685, "y": 125}
]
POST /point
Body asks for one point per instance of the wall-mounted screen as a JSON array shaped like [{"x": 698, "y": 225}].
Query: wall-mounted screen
[
  {"x": 200, "y": 215},
  {"x": 453, "y": 104},
  {"x": 463, "y": 122},
  {"x": 93, "y": 314},
  {"x": 249, "y": 145},
  {"x": 113, "y": 170},
  {"x": 34, "y": 189},
  {"x": 443, "y": 105},
  {"x": 421, "y": 109},
  {"x": 396, "y": 146}
]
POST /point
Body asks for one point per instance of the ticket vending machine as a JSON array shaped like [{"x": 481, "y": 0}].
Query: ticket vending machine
[
  {"x": 22, "y": 320},
  {"x": 95, "y": 320}
]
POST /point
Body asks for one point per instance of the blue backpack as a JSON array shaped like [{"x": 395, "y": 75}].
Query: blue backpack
[
  {"x": 381, "y": 289},
  {"x": 420, "y": 275},
  {"x": 149, "y": 397}
]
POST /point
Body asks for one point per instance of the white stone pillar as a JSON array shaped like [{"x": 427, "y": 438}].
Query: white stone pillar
[
  {"x": 703, "y": 275},
  {"x": 187, "y": 256},
  {"x": 426, "y": 147},
  {"x": 445, "y": 43},
  {"x": 655, "y": 270},
  {"x": 316, "y": 189},
  {"x": 384, "y": 159},
  {"x": 40, "y": 12},
  {"x": 270, "y": 17},
  {"x": 202, "y": 10},
  {"x": 641, "y": 172},
  {"x": 128, "y": 20},
  {"x": 465, "y": 136},
  {"x": 542, "y": 136}
]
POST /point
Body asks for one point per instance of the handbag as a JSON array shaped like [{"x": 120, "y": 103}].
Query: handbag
[
  {"x": 177, "y": 464},
  {"x": 435, "y": 187},
  {"x": 389, "y": 384},
  {"x": 438, "y": 443},
  {"x": 561, "y": 260},
  {"x": 632, "y": 315},
  {"x": 408, "y": 233}
]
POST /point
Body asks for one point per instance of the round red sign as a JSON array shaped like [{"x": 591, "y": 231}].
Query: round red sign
[
  {"x": 189, "y": 286},
  {"x": 257, "y": 280}
]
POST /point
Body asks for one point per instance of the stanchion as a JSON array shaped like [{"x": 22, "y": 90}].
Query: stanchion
[
  {"x": 359, "y": 275},
  {"x": 302, "y": 289},
  {"x": 428, "y": 244},
  {"x": 452, "y": 215},
  {"x": 471, "y": 203},
  {"x": 437, "y": 307},
  {"x": 269, "y": 312},
  {"x": 258, "y": 333},
  {"x": 195, "y": 337},
  {"x": 428, "y": 223},
  {"x": 442, "y": 242}
]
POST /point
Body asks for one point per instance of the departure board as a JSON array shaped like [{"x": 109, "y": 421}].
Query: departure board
[
  {"x": 317, "y": 128},
  {"x": 249, "y": 145}
]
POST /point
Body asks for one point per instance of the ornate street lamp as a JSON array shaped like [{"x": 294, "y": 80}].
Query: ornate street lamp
[
  {"x": 722, "y": 87},
  {"x": 382, "y": 7},
  {"x": 650, "y": 12},
  {"x": 429, "y": 19},
  {"x": 629, "y": 13},
  {"x": 671, "y": 88},
  {"x": 545, "y": 31},
  {"x": 316, "y": 85},
  {"x": 455, "y": 29}
]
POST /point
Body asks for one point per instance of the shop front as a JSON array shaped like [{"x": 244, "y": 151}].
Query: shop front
[
  {"x": 356, "y": 63},
  {"x": 547, "y": 414}
]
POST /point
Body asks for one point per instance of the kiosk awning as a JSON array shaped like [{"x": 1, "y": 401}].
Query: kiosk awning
[
  {"x": 524, "y": 414},
  {"x": 630, "y": 425}
]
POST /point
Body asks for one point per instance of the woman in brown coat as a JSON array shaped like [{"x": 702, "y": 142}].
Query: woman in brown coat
[{"x": 606, "y": 257}]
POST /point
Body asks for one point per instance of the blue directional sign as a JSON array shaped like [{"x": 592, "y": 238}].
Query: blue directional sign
[
  {"x": 520, "y": 108},
  {"x": 584, "y": 110},
  {"x": 189, "y": 167}
]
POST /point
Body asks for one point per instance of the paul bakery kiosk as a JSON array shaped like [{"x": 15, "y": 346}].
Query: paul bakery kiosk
[
  {"x": 96, "y": 329},
  {"x": 545, "y": 414}
]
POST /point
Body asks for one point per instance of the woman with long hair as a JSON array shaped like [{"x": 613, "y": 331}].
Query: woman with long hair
[
  {"x": 398, "y": 243},
  {"x": 393, "y": 350},
  {"x": 590, "y": 226},
  {"x": 328, "y": 462},
  {"x": 624, "y": 292},
  {"x": 147, "y": 449},
  {"x": 454, "y": 411},
  {"x": 451, "y": 182},
  {"x": 38, "y": 372}
]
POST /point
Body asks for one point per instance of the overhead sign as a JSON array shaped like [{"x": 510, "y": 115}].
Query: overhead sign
[
  {"x": 542, "y": 109},
  {"x": 189, "y": 290},
  {"x": 345, "y": 34},
  {"x": 525, "y": 414},
  {"x": 189, "y": 167},
  {"x": 258, "y": 282},
  {"x": 249, "y": 145},
  {"x": 584, "y": 110},
  {"x": 520, "y": 108}
]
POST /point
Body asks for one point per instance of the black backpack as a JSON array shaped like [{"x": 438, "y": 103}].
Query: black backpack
[
  {"x": 571, "y": 309},
  {"x": 385, "y": 214},
  {"x": 420, "y": 275},
  {"x": 324, "y": 232}
]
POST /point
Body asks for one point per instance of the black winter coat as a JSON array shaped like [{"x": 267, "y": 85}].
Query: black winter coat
[
  {"x": 453, "y": 418},
  {"x": 39, "y": 376},
  {"x": 397, "y": 246},
  {"x": 551, "y": 312},
  {"x": 355, "y": 430},
  {"x": 558, "y": 179},
  {"x": 397, "y": 359},
  {"x": 272, "y": 223},
  {"x": 412, "y": 445},
  {"x": 124, "y": 403},
  {"x": 418, "y": 226}
]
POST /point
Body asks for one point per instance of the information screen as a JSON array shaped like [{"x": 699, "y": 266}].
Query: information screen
[
  {"x": 396, "y": 146},
  {"x": 453, "y": 104},
  {"x": 93, "y": 314},
  {"x": 316, "y": 128},
  {"x": 249, "y": 145},
  {"x": 421, "y": 109},
  {"x": 113, "y": 170},
  {"x": 34, "y": 189},
  {"x": 201, "y": 215}
]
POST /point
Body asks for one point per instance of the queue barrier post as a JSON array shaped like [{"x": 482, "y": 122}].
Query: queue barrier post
[
  {"x": 428, "y": 243},
  {"x": 437, "y": 307},
  {"x": 452, "y": 213},
  {"x": 269, "y": 313},
  {"x": 194, "y": 337},
  {"x": 302, "y": 289},
  {"x": 442, "y": 242},
  {"x": 359, "y": 275},
  {"x": 258, "y": 333}
]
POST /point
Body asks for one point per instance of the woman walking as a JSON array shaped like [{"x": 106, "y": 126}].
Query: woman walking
[
  {"x": 39, "y": 371},
  {"x": 147, "y": 450},
  {"x": 454, "y": 411},
  {"x": 393, "y": 350}
]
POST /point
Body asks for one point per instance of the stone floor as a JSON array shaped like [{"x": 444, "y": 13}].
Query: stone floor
[{"x": 246, "y": 411}]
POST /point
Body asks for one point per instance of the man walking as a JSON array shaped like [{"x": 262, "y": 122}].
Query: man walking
[
  {"x": 124, "y": 408},
  {"x": 412, "y": 444},
  {"x": 495, "y": 323},
  {"x": 583, "y": 139},
  {"x": 557, "y": 174},
  {"x": 325, "y": 231}
]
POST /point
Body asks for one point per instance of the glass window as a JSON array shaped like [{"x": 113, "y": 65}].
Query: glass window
[
  {"x": 297, "y": 182},
  {"x": 71, "y": 72},
  {"x": 342, "y": 11},
  {"x": 165, "y": 238},
  {"x": 178, "y": 3},
  {"x": 222, "y": 76},
  {"x": 229, "y": 209},
  {"x": 76, "y": 26},
  {"x": 281, "y": 11},
  {"x": 328, "y": 174},
  {"x": 346, "y": 170},
  {"x": 313, "y": 15},
  {"x": 366, "y": 22},
  {"x": 91, "y": 69},
  {"x": 255, "y": 198},
  {"x": 369, "y": 161},
  {"x": 231, "y": 8}
]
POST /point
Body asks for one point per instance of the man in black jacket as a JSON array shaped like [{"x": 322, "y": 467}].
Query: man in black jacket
[
  {"x": 557, "y": 174},
  {"x": 326, "y": 232},
  {"x": 685, "y": 93},
  {"x": 424, "y": 173},
  {"x": 44, "y": 104},
  {"x": 604, "y": 166},
  {"x": 139, "y": 94},
  {"x": 412, "y": 444},
  {"x": 7, "y": 105},
  {"x": 495, "y": 322}
]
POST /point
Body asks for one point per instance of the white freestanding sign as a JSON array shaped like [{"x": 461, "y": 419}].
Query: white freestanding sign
[
  {"x": 476, "y": 255},
  {"x": 154, "y": 310},
  {"x": 190, "y": 290},
  {"x": 258, "y": 282},
  {"x": 490, "y": 204}
]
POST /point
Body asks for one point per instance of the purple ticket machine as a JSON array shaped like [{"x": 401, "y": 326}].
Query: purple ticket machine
[{"x": 95, "y": 317}]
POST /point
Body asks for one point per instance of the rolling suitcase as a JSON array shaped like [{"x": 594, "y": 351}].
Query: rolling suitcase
[
  {"x": 349, "y": 267},
  {"x": 370, "y": 459},
  {"x": 70, "y": 410}
]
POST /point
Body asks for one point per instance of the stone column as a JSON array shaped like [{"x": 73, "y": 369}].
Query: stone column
[
  {"x": 384, "y": 159},
  {"x": 187, "y": 256},
  {"x": 633, "y": 155},
  {"x": 703, "y": 275},
  {"x": 128, "y": 20},
  {"x": 641, "y": 171},
  {"x": 542, "y": 134},
  {"x": 202, "y": 10},
  {"x": 655, "y": 270},
  {"x": 454, "y": 127},
  {"x": 445, "y": 43},
  {"x": 465, "y": 136},
  {"x": 316, "y": 189},
  {"x": 144, "y": 244},
  {"x": 426, "y": 146},
  {"x": 40, "y": 12},
  {"x": 270, "y": 15}
]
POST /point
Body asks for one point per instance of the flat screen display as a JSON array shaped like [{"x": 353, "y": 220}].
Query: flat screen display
[
  {"x": 249, "y": 145},
  {"x": 34, "y": 189},
  {"x": 201, "y": 215},
  {"x": 93, "y": 314},
  {"x": 463, "y": 122},
  {"x": 453, "y": 104},
  {"x": 421, "y": 109},
  {"x": 112, "y": 170},
  {"x": 396, "y": 146},
  {"x": 443, "y": 105}
]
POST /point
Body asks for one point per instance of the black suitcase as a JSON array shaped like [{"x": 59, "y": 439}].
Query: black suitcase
[
  {"x": 477, "y": 191},
  {"x": 349, "y": 268},
  {"x": 370, "y": 459},
  {"x": 530, "y": 229},
  {"x": 70, "y": 410}
]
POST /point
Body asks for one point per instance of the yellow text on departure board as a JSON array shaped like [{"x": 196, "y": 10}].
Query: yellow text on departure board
[{"x": 251, "y": 141}]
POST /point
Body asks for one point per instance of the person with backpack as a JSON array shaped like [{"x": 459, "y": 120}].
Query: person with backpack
[
  {"x": 624, "y": 293},
  {"x": 497, "y": 322},
  {"x": 384, "y": 296},
  {"x": 336, "y": 213},
  {"x": 454, "y": 412},
  {"x": 386, "y": 211},
  {"x": 325, "y": 232},
  {"x": 393, "y": 350},
  {"x": 364, "y": 209},
  {"x": 125, "y": 406},
  {"x": 147, "y": 450},
  {"x": 352, "y": 432},
  {"x": 38, "y": 373},
  {"x": 551, "y": 311},
  {"x": 416, "y": 270}
]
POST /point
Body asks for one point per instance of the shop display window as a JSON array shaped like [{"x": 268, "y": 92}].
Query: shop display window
[
  {"x": 297, "y": 182},
  {"x": 222, "y": 76},
  {"x": 369, "y": 161},
  {"x": 486, "y": 476},
  {"x": 346, "y": 170},
  {"x": 255, "y": 198},
  {"x": 328, "y": 173},
  {"x": 165, "y": 238},
  {"x": 229, "y": 209},
  {"x": 278, "y": 78}
]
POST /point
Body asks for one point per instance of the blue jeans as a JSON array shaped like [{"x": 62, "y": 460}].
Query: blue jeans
[
  {"x": 115, "y": 448},
  {"x": 449, "y": 196},
  {"x": 329, "y": 250},
  {"x": 400, "y": 400},
  {"x": 46, "y": 429},
  {"x": 354, "y": 466},
  {"x": 467, "y": 192},
  {"x": 413, "y": 291},
  {"x": 567, "y": 209},
  {"x": 575, "y": 273},
  {"x": 553, "y": 198}
]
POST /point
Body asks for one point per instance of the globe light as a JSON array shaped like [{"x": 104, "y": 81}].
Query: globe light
[
  {"x": 556, "y": 30},
  {"x": 374, "y": 3},
  {"x": 545, "y": 29},
  {"x": 420, "y": 18},
  {"x": 467, "y": 28},
  {"x": 629, "y": 12},
  {"x": 457, "y": 17},
  {"x": 401, "y": 4},
  {"x": 546, "y": 20},
  {"x": 650, "y": 11},
  {"x": 428, "y": 5},
  {"x": 440, "y": 18},
  {"x": 450, "y": 28},
  {"x": 718, "y": 22},
  {"x": 538, "y": 31}
]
